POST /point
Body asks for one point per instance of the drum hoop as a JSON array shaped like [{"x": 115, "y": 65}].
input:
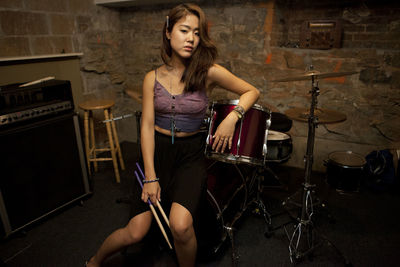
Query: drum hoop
[
  {"x": 236, "y": 101},
  {"x": 279, "y": 160},
  {"x": 229, "y": 158},
  {"x": 286, "y": 135},
  {"x": 347, "y": 166}
]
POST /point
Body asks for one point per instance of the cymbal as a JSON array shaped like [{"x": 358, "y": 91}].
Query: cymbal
[
  {"x": 325, "y": 116},
  {"x": 315, "y": 73}
]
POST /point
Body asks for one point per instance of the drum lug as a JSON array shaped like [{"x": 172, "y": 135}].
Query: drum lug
[
  {"x": 267, "y": 125},
  {"x": 211, "y": 127},
  {"x": 240, "y": 136}
]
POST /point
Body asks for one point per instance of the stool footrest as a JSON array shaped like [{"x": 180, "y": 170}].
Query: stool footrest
[
  {"x": 102, "y": 149},
  {"x": 101, "y": 159}
]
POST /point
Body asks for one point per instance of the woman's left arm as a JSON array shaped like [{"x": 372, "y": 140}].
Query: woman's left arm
[{"x": 218, "y": 75}]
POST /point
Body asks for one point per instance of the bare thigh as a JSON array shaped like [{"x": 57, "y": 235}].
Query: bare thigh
[{"x": 139, "y": 225}]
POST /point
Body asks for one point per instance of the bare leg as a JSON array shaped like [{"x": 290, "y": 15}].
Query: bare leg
[
  {"x": 185, "y": 241},
  {"x": 132, "y": 233}
]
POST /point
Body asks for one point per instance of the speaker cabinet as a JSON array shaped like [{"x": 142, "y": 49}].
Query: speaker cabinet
[{"x": 42, "y": 167}]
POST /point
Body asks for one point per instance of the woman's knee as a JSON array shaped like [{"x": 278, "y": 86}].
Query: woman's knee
[
  {"x": 181, "y": 223},
  {"x": 181, "y": 231}
]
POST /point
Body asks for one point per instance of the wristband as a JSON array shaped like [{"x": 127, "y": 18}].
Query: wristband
[
  {"x": 239, "y": 111},
  {"x": 151, "y": 181},
  {"x": 239, "y": 115}
]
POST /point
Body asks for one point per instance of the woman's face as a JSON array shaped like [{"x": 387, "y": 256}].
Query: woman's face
[{"x": 184, "y": 37}]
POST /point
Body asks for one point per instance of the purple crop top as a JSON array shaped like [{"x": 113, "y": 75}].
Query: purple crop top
[{"x": 187, "y": 110}]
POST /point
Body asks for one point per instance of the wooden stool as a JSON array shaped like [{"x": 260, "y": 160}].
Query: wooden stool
[{"x": 90, "y": 145}]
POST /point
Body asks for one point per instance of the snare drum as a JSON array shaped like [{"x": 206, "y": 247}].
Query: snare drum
[
  {"x": 279, "y": 146},
  {"x": 249, "y": 138}
]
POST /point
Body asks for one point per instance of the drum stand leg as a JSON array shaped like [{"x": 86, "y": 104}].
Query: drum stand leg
[
  {"x": 235, "y": 254},
  {"x": 260, "y": 208},
  {"x": 276, "y": 178}
]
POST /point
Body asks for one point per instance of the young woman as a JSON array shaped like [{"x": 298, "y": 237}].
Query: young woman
[{"x": 174, "y": 106}]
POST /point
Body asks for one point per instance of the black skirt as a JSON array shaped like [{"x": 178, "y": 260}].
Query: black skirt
[{"x": 181, "y": 168}]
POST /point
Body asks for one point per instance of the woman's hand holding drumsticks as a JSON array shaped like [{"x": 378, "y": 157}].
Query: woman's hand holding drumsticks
[{"x": 152, "y": 208}]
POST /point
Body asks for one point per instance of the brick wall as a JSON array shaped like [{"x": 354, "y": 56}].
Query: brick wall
[
  {"x": 257, "y": 40},
  {"x": 36, "y": 27}
]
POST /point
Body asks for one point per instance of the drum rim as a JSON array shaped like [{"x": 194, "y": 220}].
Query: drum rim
[
  {"x": 229, "y": 158},
  {"x": 283, "y": 133},
  {"x": 236, "y": 101},
  {"x": 350, "y": 153}
]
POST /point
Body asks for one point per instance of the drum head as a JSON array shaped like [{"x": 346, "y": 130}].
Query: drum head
[
  {"x": 277, "y": 136},
  {"x": 347, "y": 159}
]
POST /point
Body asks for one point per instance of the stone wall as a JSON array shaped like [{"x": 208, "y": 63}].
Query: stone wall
[{"x": 257, "y": 40}]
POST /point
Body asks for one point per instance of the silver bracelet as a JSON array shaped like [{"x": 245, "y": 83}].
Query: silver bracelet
[{"x": 239, "y": 109}]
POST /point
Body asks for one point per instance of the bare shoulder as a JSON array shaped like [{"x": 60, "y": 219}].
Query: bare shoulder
[
  {"x": 216, "y": 71},
  {"x": 218, "y": 75},
  {"x": 148, "y": 81},
  {"x": 150, "y": 75}
]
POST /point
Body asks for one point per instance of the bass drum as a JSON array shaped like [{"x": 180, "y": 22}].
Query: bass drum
[{"x": 224, "y": 204}]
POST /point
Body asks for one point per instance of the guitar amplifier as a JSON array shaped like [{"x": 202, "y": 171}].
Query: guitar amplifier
[
  {"x": 42, "y": 160},
  {"x": 24, "y": 103}
]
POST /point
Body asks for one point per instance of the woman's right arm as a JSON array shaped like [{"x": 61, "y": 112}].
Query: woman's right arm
[{"x": 150, "y": 190}]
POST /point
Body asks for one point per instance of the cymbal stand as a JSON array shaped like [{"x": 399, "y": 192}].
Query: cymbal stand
[
  {"x": 304, "y": 228},
  {"x": 302, "y": 241}
]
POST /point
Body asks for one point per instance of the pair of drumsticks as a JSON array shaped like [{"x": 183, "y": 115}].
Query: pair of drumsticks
[{"x": 152, "y": 208}]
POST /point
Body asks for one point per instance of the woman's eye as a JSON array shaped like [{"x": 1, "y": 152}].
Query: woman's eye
[
  {"x": 197, "y": 33},
  {"x": 184, "y": 31}
]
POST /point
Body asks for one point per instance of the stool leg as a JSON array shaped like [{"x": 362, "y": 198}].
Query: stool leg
[
  {"x": 117, "y": 146},
  {"x": 112, "y": 148},
  {"x": 92, "y": 141},
  {"x": 87, "y": 145}
]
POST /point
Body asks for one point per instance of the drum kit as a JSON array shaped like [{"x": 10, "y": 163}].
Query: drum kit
[{"x": 256, "y": 145}]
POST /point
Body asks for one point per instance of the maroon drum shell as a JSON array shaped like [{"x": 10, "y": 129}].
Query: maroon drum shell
[{"x": 251, "y": 137}]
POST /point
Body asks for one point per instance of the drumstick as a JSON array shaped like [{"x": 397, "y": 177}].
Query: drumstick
[
  {"x": 155, "y": 214},
  {"x": 160, "y": 225},
  {"x": 158, "y": 203}
]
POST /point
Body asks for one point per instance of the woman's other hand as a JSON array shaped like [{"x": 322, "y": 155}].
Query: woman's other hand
[
  {"x": 224, "y": 133},
  {"x": 152, "y": 191}
]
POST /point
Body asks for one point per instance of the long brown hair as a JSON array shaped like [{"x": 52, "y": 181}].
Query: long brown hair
[{"x": 197, "y": 66}]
